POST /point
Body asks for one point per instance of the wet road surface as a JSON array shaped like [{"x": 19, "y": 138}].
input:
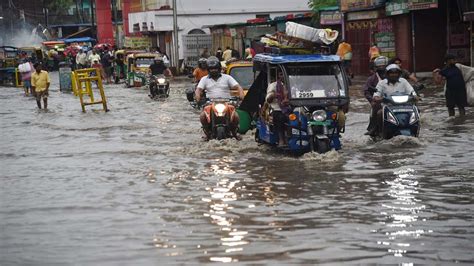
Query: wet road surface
[{"x": 137, "y": 186}]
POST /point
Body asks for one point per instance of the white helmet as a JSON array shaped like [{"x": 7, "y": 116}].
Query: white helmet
[{"x": 393, "y": 67}]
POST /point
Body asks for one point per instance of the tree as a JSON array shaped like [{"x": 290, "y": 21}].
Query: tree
[{"x": 315, "y": 5}]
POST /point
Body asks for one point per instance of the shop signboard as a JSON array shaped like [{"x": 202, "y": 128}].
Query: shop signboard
[
  {"x": 363, "y": 15},
  {"x": 422, "y": 4},
  {"x": 385, "y": 37},
  {"x": 396, "y": 7},
  {"x": 348, "y": 5},
  {"x": 330, "y": 17},
  {"x": 137, "y": 42}
]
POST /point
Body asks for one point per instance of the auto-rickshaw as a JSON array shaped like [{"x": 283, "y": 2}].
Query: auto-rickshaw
[
  {"x": 138, "y": 68},
  {"x": 9, "y": 60},
  {"x": 242, "y": 72},
  {"x": 32, "y": 52},
  {"x": 318, "y": 98},
  {"x": 120, "y": 63},
  {"x": 8, "y": 56}
]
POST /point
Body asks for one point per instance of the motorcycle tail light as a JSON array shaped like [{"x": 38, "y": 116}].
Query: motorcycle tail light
[{"x": 292, "y": 117}]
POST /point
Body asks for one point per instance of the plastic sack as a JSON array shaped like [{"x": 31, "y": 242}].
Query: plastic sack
[
  {"x": 25, "y": 67},
  {"x": 322, "y": 36},
  {"x": 468, "y": 76}
]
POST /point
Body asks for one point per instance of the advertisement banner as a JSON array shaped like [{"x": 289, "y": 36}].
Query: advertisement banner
[
  {"x": 330, "y": 17},
  {"x": 385, "y": 37},
  {"x": 137, "y": 42},
  {"x": 422, "y": 4},
  {"x": 396, "y": 7}
]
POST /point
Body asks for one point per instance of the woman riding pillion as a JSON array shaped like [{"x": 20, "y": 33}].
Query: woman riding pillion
[
  {"x": 380, "y": 63},
  {"x": 218, "y": 86}
]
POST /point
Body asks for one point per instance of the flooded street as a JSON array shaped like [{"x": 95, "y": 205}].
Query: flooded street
[{"x": 138, "y": 186}]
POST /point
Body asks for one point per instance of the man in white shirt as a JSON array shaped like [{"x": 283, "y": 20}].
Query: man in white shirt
[
  {"x": 218, "y": 86},
  {"x": 277, "y": 98},
  {"x": 393, "y": 83},
  {"x": 94, "y": 57}
]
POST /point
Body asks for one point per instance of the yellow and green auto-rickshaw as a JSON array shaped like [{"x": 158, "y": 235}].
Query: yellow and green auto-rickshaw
[
  {"x": 138, "y": 68},
  {"x": 242, "y": 72},
  {"x": 9, "y": 61}
]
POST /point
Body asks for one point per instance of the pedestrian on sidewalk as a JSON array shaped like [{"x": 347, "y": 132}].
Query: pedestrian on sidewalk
[
  {"x": 455, "y": 87},
  {"x": 40, "y": 82}
]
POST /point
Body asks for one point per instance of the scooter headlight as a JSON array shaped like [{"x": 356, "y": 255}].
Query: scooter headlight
[
  {"x": 413, "y": 118},
  {"x": 161, "y": 80},
  {"x": 391, "y": 118},
  {"x": 319, "y": 115},
  {"x": 400, "y": 98},
  {"x": 220, "y": 109}
]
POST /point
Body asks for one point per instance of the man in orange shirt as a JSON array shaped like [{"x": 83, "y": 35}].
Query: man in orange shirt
[{"x": 201, "y": 70}]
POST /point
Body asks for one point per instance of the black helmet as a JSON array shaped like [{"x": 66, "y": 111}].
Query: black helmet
[
  {"x": 202, "y": 63},
  {"x": 213, "y": 62}
]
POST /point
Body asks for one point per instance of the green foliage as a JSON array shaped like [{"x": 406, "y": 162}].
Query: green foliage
[
  {"x": 315, "y": 5},
  {"x": 59, "y": 6}
]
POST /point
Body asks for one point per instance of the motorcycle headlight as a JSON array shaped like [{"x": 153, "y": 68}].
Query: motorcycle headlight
[
  {"x": 319, "y": 115},
  {"x": 161, "y": 80},
  {"x": 391, "y": 118},
  {"x": 413, "y": 118},
  {"x": 220, "y": 108}
]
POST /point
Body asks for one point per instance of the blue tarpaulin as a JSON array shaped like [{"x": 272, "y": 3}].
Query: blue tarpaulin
[
  {"x": 282, "y": 59},
  {"x": 83, "y": 39}
]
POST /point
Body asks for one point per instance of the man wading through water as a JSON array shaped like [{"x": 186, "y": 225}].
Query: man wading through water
[{"x": 40, "y": 84}]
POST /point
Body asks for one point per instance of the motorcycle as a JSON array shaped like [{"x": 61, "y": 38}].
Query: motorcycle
[
  {"x": 218, "y": 114},
  {"x": 159, "y": 86},
  {"x": 400, "y": 116}
]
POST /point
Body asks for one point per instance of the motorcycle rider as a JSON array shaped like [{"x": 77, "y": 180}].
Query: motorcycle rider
[
  {"x": 391, "y": 84},
  {"x": 201, "y": 70},
  {"x": 218, "y": 85},
  {"x": 158, "y": 68},
  {"x": 380, "y": 63}
]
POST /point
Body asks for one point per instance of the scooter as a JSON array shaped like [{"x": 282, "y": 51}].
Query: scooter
[
  {"x": 400, "y": 116},
  {"x": 159, "y": 86}
]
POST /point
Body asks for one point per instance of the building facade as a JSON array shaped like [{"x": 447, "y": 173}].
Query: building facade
[{"x": 156, "y": 18}]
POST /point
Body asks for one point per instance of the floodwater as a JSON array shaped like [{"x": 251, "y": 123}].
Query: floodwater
[{"x": 137, "y": 186}]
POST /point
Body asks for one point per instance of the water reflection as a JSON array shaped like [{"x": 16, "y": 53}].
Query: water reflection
[
  {"x": 402, "y": 214},
  {"x": 221, "y": 196}
]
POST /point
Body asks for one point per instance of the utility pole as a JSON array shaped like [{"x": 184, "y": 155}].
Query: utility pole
[
  {"x": 175, "y": 33},
  {"x": 114, "y": 11}
]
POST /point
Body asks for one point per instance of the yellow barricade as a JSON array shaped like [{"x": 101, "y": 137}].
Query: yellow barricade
[{"x": 82, "y": 80}]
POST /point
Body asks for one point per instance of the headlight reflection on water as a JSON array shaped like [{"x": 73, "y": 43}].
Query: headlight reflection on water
[{"x": 402, "y": 213}]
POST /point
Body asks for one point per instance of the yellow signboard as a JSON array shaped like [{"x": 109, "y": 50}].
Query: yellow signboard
[{"x": 137, "y": 42}]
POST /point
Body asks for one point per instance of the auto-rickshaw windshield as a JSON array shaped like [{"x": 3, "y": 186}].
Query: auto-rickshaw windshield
[
  {"x": 316, "y": 81},
  {"x": 243, "y": 75},
  {"x": 144, "y": 61}
]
